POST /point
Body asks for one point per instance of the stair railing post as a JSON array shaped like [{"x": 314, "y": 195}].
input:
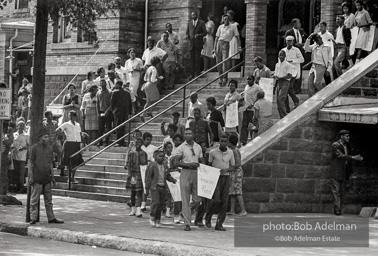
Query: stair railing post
[
  {"x": 183, "y": 103},
  {"x": 128, "y": 145},
  {"x": 69, "y": 173}
]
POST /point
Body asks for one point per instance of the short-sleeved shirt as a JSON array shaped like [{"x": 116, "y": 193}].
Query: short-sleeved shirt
[
  {"x": 226, "y": 33},
  {"x": 150, "y": 150},
  {"x": 201, "y": 130},
  {"x": 169, "y": 48},
  {"x": 199, "y": 105},
  {"x": 283, "y": 69},
  {"x": 222, "y": 160},
  {"x": 190, "y": 154},
  {"x": 265, "y": 107},
  {"x": 149, "y": 54},
  {"x": 42, "y": 158},
  {"x": 20, "y": 140},
  {"x": 72, "y": 132},
  {"x": 250, "y": 94}
]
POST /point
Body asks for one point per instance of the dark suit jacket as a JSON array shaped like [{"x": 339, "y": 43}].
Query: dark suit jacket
[
  {"x": 191, "y": 31},
  {"x": 121, "y": 102},
  {"x": 347, "y": 35},
  {"x": 152, "y": 175},
  {"x": 291, "y": 32},
  {"x": 340, "y": 164}
]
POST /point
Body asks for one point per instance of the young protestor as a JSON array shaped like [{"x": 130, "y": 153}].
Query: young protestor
[
  {"x": 134, "y": 183},
  {"x": 171, "y": 132},
  {"x": 177, "y": 206},
  {"x": 150, "y": 150},
  {"x": 156, "y": 176},
  {"x": 223, "y": 159},
  {"x": 175, "y": 121},
  {"x": 168, "y": 147}
]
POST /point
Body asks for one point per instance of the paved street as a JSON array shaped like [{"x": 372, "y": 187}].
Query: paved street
[
  {"x": 15, "y": 245},
  {"x": 107, "y": 218}
]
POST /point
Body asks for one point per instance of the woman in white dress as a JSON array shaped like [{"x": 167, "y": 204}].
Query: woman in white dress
[
  {"x": 134, "y": 66},
  {"x": 349, "y": 22},
  {"x": 364, "y": 22},
  {"x": 234, "y": 45}
]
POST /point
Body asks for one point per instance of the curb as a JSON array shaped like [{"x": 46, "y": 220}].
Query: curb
[{"x": 142, "y": 246}]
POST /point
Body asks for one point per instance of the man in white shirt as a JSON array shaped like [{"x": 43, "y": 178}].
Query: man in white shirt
[
  {"x": 172, "y": 35},
  {"x": 19, "y": 153},
  {"x": 195, "y": 103},
  {"x": 72, "y": 131},
  {"x": 283, "y": 74},
  {"x": 321, "y": 63},
  {"x": 151, "y": 52},
  {"x": 224, "y": 35},
  {"x": 328, "y": 39},
  {"x": 295, "y": 57},
  {"x": 120, "y": 70}
]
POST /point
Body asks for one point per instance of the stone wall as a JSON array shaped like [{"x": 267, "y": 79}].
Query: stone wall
[
  {"x": 293, "y": 174},
  {"x": 366, "y": 87}
]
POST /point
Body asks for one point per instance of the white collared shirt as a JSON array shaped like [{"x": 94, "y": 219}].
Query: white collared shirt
[
  {"x": 328, "y": 40},
  {"x": 150, "y": 150},
  {"x": 340, "y": 36},
  {"x": 149, "y": 54},
  {"x": 298, "y": 35},
  {"x": 72, "y": 132},
  {"x": 294, "y": 57}
]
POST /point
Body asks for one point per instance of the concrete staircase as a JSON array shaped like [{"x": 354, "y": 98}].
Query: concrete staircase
[{"x": 104, "y": 177}]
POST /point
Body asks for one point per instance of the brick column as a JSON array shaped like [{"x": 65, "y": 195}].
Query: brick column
[
  {"x": 255, "y": 32},
  {"x": 329, "y": 10}
]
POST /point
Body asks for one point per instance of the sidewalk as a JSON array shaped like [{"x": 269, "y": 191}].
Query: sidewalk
[{"x": 106, "y": 224}]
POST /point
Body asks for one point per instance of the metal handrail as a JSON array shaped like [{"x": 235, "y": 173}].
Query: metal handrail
[
  {"x": 150, "y": 120},
  {"x": 153, "y": 105},
  {"x": 94, "y": 54}
]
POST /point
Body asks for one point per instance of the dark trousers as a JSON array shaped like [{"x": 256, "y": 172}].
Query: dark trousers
[
  {"x": 282, "y": 91},
  {"x": 119, "y": 118},
  {"x": 219, "y": 201},
  {"x": 195, "y": 61},
  {"x": 327, "y": 79},
  {"x": 177, "y": 207},
  {"x": 104, "y": 124},
  {"x": 19, "y": 168},
  {"x": 157, "y": 201},
  {"x": 338, "y": 191},
  {"x": 136, "y": 198},
  {"x": 247, "y": 118},
  {"x": 298, "y": 83},
  {"x": 202, "y": 209},
  {"x": 292, "y": 95}
]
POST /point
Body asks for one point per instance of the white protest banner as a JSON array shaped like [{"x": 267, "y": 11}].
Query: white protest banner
[
  {"x": 207, "y": 180},
  {"x": 354, "y": 33},
  {"x": 267, "y": 85},
  {"x": 5, "y": 104},
  {"x": 232, "y": 119},
  {"x": 175, "y": 188},
  {"x": 369, "y": 44},
  {"x": 143, "y": 169}
]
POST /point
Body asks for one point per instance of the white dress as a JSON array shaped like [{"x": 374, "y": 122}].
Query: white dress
[
  {"x": 134, "y": 76},
  {"x": 234, "y": 47}
]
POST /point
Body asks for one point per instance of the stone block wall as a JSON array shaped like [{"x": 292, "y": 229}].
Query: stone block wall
[
  {"x": 293, "y": 174},
  {"x": 366, "y": 87}
]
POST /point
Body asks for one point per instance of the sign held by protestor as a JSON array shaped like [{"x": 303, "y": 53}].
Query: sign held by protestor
[
  {"x": 175, "y": 188},
  {"x": 207, "y": 180},
  {"x": 143, "y": 169},
  {"x": 267, "y": 85},
  {"x": 232, "y": 118},
  {"x": 5, "y": 104}
]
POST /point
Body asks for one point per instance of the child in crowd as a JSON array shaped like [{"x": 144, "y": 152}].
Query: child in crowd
[
  {"x": 136, "y": 158},
  {"x": 168, "y": 147},
  {"x": 177, "y": 140},
  {"x": 171, "y": 132},
  {"x": 175, "y": 121},
  {"x": 137, "y": 135},
  {"x": 156, "y": 176},
  {"x": 150, "y": 150},
  {"x": 208, "y": 47}
]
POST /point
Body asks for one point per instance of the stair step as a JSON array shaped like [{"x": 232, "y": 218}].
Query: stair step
[
  {"x": 91, "y": 195},
  {"x": 106, "y": 161},
  {"x": 118, "y": 156},
  {"x": 101, "y": 175},
  {"x": 103, "y": 168},
  {"x": 94, "y": 189}
]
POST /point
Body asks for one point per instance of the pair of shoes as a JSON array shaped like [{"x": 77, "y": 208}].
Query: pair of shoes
[
  {"x": 168, "y": 216},
  {"x": 220, "y": 228},
  {"x": 199, "y": 224},
  {"x": 33, "y": 222},
  {"x": 176, "y": 220},
  {"x": 230, "y": 213},
  {"x": 208, "y": 224},
  {"x": 56, "y": 221},
  {"x": 187, "y": 228},
  {"x": 244, "y": 213},
  {"x": 143, "y": 209},
  {"x": 157, "y": 223},
  {"x": 74, "y": 181},
  {"x": 152, "y": 221}
]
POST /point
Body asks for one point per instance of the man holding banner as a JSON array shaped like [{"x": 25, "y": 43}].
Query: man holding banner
[
  {"x": 223, "y": 159},
  {"x": 188, "y": 156}
]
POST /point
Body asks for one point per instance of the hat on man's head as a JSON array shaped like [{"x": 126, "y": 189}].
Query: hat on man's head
[
  {"x": 42, "y": 132},
  {"x": 73, "y": 112},
  {"x": 343, "y": 132},
  {"x": 149, "y": 38},
  {"x": 289, "y": 38}
]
